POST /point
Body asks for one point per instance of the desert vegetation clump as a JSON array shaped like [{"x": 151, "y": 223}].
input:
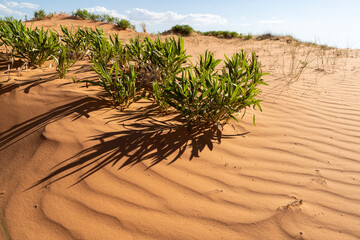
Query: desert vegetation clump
[
  {"x": 159, "y": 70},
  {"x": 81, "y": 13},
  {"x": 266, "y": 36},
  {"x": 32, "y": 45},
  {"x": 248, "y": 36},
  {"x": 207, "y": 97},
  {"x": 40, "y": 15},
  {"x": 122, "y": 24},
  {"x": 76, "y": 41},
  {"x": 184, "y": 30},
  {"x": 221, "y": 34},
  {"x": 63, "y": 61}
]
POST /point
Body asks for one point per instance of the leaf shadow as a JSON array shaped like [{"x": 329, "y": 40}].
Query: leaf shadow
[
  {"x": 142, "y": 137},
  {"x": 80, "y": 106}
]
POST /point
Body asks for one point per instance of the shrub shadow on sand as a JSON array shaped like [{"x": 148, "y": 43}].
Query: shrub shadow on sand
[
  {"x": 78, "y": 107},
  {"x": 142, "y": 138}
]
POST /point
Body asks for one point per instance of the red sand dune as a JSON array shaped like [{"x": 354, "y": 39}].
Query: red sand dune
[{"x": 295, "y": 175}]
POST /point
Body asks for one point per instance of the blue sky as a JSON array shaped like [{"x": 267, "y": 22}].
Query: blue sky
[{"x": 331, "y": 22}]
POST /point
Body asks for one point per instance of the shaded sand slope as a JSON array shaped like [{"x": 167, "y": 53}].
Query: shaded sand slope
[{"x": 295, "y": 175}]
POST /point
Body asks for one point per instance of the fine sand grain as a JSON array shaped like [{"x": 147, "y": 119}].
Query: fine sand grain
[{"x": 139, "y": 175}]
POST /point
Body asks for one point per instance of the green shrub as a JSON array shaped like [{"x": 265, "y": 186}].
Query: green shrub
[
  {"x": 123, "y": 24},
  {"x": 167, "y": 56},
  {"x": 209, "y": 99},
  {"x": 265, "y": 36},
  {"x": 248, "y": 37},
  {"x": 221, "y": 34},
  {"x": 155, "y": 60},
  {"x": 202, "y": 94},
  {"x": 39, "y": 15},
  {"x": 95, "y": 17},
  {"x": 109, "y": 19},
  {"x": 81, "y": 13},
  {"x": 184, "y": 30}
]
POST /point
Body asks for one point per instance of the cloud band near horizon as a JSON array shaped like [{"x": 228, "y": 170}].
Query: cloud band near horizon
[{"x": 138, "y": 15}]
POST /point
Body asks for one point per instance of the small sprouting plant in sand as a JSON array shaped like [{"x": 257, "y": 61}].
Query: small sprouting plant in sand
[
  {"x": 39, "y": 45},
  {"x": 3, "y": 226},
  {"x": 11, "y": 30},
  {"x": 63, "y": 61},
  {"x": 95, "y": 43},
  {"x": 184, "y": 30},
  {"x": 33, "y": 45},
  {"x": 119, "y": 51},
  {"x": 101, "y": 49},
  {"x": 120, "y": 84},
  {"x": 123, "y": 24},
  {"x": 74, "y": 41}
]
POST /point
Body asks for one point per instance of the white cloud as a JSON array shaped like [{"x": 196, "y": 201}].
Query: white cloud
[
  {"x": 12, "y": 4},
  {"x": 103, "y": 10},
  {"x": 272, "y": 21},
  {"x": 8, "y": 11},
  {"x": 138, "y": 14},
  {"x": 246, "y": 25}
]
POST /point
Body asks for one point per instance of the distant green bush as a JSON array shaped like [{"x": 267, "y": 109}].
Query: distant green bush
[
  {"x": 124, "y": 24},
  {"x": 248, "y": 37},
  {"x": 39, "y": 15},
  {"x": 121, "y": 23},
  {"x": 184, "y": 30},
  {"x": 221, "y": 34},
  {"x": 109, "y": 18},
  {"x": 81, "y": 13}
]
